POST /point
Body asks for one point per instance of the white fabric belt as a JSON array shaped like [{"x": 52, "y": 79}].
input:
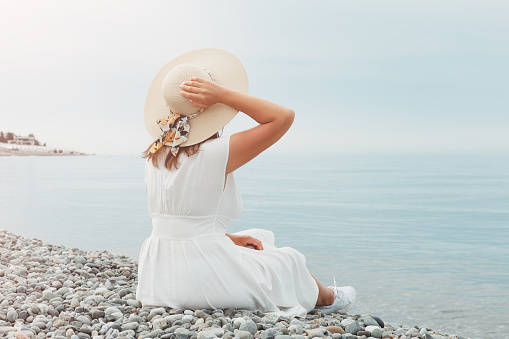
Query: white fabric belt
[{"x": 185, "y": 227}]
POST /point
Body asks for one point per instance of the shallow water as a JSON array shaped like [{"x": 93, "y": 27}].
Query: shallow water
[{"x": 422, "y": 238}]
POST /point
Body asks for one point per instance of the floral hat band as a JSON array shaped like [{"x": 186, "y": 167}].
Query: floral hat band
[{"x": 175, "y": 130}]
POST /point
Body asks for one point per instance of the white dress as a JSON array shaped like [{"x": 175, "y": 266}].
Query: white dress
[{"x": 188, "y": 262}]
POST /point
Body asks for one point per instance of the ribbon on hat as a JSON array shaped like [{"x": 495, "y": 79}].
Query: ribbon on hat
[{"x": 175, "y": 130}]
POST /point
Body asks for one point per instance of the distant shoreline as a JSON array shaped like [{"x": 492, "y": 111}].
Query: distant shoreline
[{"x": 27, "y": 150}]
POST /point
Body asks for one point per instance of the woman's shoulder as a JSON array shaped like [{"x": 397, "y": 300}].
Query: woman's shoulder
[{"x": 222, "y": 142}]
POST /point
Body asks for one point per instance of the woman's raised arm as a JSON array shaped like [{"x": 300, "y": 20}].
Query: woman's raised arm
[{"x": 274, "y": 120}]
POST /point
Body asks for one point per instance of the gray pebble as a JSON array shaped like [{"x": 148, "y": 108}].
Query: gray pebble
[
  {"x": 12, "y": 316},
  {"x": 249, "y": 326},
  {"x": 49, "y": 295},
  {"x": 83, "y": 319},
  {"x": 243, "y": 335},
  {"x": 110, "y": 310},
  {"x": 379, "y": 321},
  {"x": 95, "y": 314},
  {"x": 200, "y": 314},
  {"x": 134, "y": 303},
  {"x": 369, "y": 321},
  {"x": 353, "y": 327},
  {"x": 79, "y": 259}
]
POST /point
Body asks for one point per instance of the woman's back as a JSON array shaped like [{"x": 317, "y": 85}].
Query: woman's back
[{"x": 195, "y": 189}]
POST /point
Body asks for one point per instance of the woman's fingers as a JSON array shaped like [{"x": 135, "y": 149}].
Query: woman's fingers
[
  {"x": 256, "y": 243},
  {"x": 198, "y": 79},
  {"x": 191, "y": 89},
  {"x": 192, "y": 96}
]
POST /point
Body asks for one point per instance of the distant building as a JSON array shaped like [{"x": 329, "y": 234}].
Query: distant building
[{"x": 19, "y": 140}]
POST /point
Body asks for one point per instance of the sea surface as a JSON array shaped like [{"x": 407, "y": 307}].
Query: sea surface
[{"x": 423, "y": 239}]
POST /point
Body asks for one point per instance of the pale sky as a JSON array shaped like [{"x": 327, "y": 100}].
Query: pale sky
[{"x": 362, "y": 76}]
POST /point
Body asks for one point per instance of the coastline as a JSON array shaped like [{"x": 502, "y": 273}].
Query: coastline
[
  {"x": 50, "y": 290},
  {"x": 23, "y": 150}
]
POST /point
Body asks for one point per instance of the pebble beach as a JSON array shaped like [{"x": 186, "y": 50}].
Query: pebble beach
[{"x": 51, "y": 291}]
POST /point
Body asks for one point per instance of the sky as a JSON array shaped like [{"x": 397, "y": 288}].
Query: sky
[{"x": 367, "y": 77}]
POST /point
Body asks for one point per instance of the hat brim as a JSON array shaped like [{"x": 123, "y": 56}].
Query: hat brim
[{"x": 226, "y": 70}]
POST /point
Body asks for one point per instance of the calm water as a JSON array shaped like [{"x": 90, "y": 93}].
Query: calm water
[{"x": 423, "y": 239}]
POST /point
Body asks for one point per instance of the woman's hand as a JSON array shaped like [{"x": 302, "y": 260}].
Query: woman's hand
[
  {"x": 201, "y": 92},
  {"x": 245, "y": 240}
]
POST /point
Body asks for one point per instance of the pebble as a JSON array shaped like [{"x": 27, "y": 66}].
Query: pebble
[
  {"x": 335, "y": 329},
  {"x": 249, "y": 326},
  {"x": 51, "y": 291},
  {"x": 12, "y": 316},
  {"x": 353, "y": 327},
  {"x": 243, "y": 335},
  {"x": 369, "y": 321}
]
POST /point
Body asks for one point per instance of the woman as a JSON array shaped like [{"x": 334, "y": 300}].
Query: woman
[{"x": 189, "y": 261}]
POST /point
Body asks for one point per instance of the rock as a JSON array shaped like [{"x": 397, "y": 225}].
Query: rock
[
  {"x": 200, "y": 314},
  {"x": 249, "y": 326},
  {"x": 83, "y": 319},
  {"x": 12, "y": 316},
  {"x": 206, "y": 334},
  {"x": 346, "y": 322},
  {"x": 49, "y": 295},
  {"x": 315, "y": 334},
  {"x": 130, "y": 326},
  {"x": 161, "y": 323},
  {"x": 86, "y": 329},
  {"x": 134, "y": 303},
  {"x": 379, "y": 321},
  {"x": 79, "y": 259},
  {"x": 353, "y": 328},
  {"x": 297, "y": 322},
  {"x": 110, "y": 310},
  {"x": 335, "y": 329},
  {"x": 369, "y": 321},
  {"x": 159, "y": 311},
  {"x": 59, "y": 323},
  {"x": 187, "y": 318},
  {"x": 21, "y": 335},
  {"x": 95, "y": 314},
  {"x": 227, "y": 327},
  {"x": 238, "y": 322},
  {"x": 243, "y": 335},
  {"x": 296, "y": 329},
  {"x": 411, "y": 331},
  {"x": 75, "y": 302},
  {"x": 269, "y": 333},
  {"x": 23, "y": 315},
  {"x": 376, "y": 332}
]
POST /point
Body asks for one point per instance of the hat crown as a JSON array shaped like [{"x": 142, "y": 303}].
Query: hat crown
[{"x": 176, "y": 102}]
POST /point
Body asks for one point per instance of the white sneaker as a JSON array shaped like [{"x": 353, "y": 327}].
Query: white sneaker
[{"x": 344, "y": 297}]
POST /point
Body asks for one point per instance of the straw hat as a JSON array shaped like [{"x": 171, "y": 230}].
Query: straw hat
[{"x": 164, "y": 95}]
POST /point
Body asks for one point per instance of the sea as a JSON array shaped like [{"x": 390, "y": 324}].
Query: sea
[{"x": 422, "y": 238}]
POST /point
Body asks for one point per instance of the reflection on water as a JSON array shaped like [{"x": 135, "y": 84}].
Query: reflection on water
[{"x": 423, "y": 239}]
